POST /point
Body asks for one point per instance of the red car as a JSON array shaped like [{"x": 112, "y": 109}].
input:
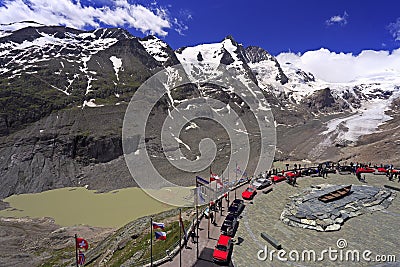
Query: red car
[
  {"x": 292, "y": 174},
  {"x": 380, "y": 171},
  {"x": 278, "y": 178},
  {"x": 249, "y": 193},
  {"x": 222, "y": 249},
  {"x": 365, "y": 170}
]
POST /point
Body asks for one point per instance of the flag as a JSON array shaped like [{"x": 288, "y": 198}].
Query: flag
[
  {"x": 158, "y": 225},
  {"x": 238, "y": 170},
  {"x": 200, "y": 198},
  {"x": 82, "y": 243},
  {"x": 243, "y": 173},
  {"x": 183, "y": 227},
  {"x": 161, "y": 235},
  {"x": 81, "y": 258},
  {"x": 202, "y": 181},
  {"x": 214, "y": 177}
]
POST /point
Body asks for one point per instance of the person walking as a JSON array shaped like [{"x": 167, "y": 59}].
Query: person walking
[
  {"x": 212, "y": 219},
  {"x": 193, "y": 236}
]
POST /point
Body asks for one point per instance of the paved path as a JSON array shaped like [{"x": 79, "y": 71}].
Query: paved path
[
  {"x": 378, "y": 231},
  {"x": 206, "y": 245}
]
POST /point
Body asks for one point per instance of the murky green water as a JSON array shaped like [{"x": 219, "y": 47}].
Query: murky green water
[{"x": 72, "y": 206}]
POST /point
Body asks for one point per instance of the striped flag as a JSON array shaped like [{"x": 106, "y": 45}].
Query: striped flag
[
  {"x": 161, "y": 235},
  {"x": 157, "y": 225}
]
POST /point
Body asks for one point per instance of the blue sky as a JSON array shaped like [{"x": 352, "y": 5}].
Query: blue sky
[
  {"x": 293, "y": 25},
  {"x": 278, "y": 26}
]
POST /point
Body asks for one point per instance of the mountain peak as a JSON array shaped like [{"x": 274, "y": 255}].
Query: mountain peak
[
  {"x": 256, "y": 54},
  {"x": 230, "y": 37}
]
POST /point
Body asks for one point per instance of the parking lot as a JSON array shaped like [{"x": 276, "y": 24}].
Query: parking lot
[{"x": 377, "y": 232}]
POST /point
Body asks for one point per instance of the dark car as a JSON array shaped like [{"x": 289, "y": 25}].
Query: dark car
[
  {"x": 309, "y": 171},
  {"x": 236, "y": 207},
  {"x": 223, "y": 249},
  {"x": 345, "y": 170},
  {"x": 230, "y": 225}
]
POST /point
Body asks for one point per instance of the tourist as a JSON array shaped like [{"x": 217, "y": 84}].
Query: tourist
[
  {"x": 193, "y": 236},
  {"x": 358, "y": 175}
]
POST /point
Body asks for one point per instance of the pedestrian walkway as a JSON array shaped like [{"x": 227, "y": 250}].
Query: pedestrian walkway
[{"x": 206, "y": 243}]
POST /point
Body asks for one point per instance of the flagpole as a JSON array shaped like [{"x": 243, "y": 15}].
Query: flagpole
[
  {"x": 229, "y": 187},
  {"x": 180, "y": 237},
  {"x": 197, "y": 223},
  {"x": 235, "y": 179},
  {"x": 151, "y": 241},
  {"x": 216, "y": 192},
  {"x": 223, "y": 182},
  {"x": 208, "y": 220},
  {"x": 76, "y": 250}
]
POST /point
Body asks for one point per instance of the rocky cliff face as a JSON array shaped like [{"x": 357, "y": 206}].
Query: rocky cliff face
[{"x": 59, "y": 151}]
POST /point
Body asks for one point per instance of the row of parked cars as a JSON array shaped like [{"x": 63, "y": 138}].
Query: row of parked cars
[
  {"x": 223, "y": 249},
  {"x": 366, "y": 169}
]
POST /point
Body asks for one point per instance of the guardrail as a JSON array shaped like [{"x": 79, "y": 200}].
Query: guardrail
[{"x": 177, "y": 247}]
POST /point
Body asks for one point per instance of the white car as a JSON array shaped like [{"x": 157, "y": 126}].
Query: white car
[{"x": 261, "y": 183}]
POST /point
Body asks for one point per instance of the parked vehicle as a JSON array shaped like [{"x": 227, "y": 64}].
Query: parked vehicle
[
  {"x": 249, "y": 193},
  {"x": 309, "y": 171},
  {"x": 380, "y": 170},
  {"x": 261, "y": 183},
  {"x": 345, "y": 170},
  {"x": 236, "y": 207},
  {"x": 229, "y": 225},
  {"x": 365, "y": 170},
  {"x": 292, "y": 174},
  {"x": 222, "y": 250},
  {"x": 278, "y": 178}
]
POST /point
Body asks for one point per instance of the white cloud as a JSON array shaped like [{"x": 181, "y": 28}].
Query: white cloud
[
  {"x": 116, "y": 13},
  {"x": 341, "y": 20},
  {"x": 394, "y": 29},
  {"x": 340, "y": 67}
]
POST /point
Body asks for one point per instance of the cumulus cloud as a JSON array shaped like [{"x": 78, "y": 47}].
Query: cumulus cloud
[
  {"x": 337, "y": 20},
  {"x": 394, "y": 29},
  {"x": 116, "y": 13},
  {"x": 340, "y": 67}
]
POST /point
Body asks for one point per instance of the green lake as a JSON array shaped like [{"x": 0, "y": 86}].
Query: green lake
[{"x": 74, "y": 206}]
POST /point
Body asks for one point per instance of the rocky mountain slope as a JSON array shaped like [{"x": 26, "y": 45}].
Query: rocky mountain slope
[{"x": 64, "y": 92}]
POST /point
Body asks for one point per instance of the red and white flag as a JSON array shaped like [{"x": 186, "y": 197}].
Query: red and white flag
[
  {"x": 214, "y": 177},
  {"x": 82, "y": 243}
]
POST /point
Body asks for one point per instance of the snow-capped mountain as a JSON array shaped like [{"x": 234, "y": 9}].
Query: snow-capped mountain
[
  {"x": 357, "y": 108},
  {"x": 55, "y": 67},
  {"x": 63, "y": 94}
]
